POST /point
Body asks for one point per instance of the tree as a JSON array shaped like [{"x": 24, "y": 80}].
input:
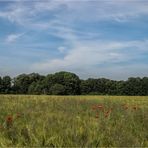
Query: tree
[
  {"x": 102, "y": 86},
  {"x": 133, "y": 86},
  {"x": 6, "y": 84},
  {"x": 0, "y": 85},
  {"x": 85, "y": 87},
  {"x": 35, "y": 77},
  {"x": 120, "y": 87},
  {"x": 57, "y": 89},
  {"x": 23, "y": 81},
  {"x": 144, "y": 86},
  {"x": 21, "y": 84},
  {"x": 37, "y": 88},
  {"x": 70, "y": 81},
  {"x": 89, "y": 86}
]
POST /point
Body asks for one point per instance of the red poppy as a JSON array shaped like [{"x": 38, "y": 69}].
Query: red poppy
[
  {"x": 100, "y": 106},
  {"x": 1, "y": 127},
  {"x": 9, "y": 119},
  {"x": 94, "y": 107},
  {"x": 106, "y": 114},
  {"x": 18, "y": 115},
  {"x": 109, "y": 111},
  {"x": 125, "y": 106},
  {"x": 135, "y": 107},
  {"x": 97, "y": 116}
]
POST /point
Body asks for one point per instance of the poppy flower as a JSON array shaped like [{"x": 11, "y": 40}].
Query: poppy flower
[
  {"x": 97, "y": 116},
  {"x": 135, "y": 107},
  {"x": 9, "y": 119},
  {"x": 94, "y": 107},
  {"x": 18, "y": 115},
  {"x": 108, "y": 113},
  {"x": 125, "y": 106},
  {"x": 100, "y": 106},
  {"x": 1, "y": 127}
]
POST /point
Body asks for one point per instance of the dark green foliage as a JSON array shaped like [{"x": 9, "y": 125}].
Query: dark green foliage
[
  {"x": 133, "y": 86},
  {"x": 70, "y": 81},
  {"x": 144, "y": 86},
  {"x": 37, "y": 88},
  {"x": 23, "y": 82},
  {"x": 67, "y": 83},
  {"x": 5, "y": 85},
  {"x": 57, "y": 89},
  {"x": 1, "y": 85}
]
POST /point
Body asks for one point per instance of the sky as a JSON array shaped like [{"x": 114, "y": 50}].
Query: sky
[{"x": 92, "y": 38}]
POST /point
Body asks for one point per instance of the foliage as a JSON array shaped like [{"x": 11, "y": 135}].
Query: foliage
[
  {"x": 22, "y": 82},
  {"x": 70, "y": 84},
  {"x": 57, "y": 89},
  {"x": 5, "y": 84}
]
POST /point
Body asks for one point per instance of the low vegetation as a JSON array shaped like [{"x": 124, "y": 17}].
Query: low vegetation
[{"x": 64, "y": 121}]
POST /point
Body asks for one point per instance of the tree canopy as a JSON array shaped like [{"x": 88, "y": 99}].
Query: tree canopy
[{"x": 67, "y": 83}]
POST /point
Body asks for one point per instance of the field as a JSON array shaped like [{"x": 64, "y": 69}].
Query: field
[{"x": 64, "y": 121}]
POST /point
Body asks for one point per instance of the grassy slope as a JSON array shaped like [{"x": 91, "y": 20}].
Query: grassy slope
[{"x": 73, "y": 121}]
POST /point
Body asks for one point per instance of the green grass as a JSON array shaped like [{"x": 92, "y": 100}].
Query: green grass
[{"x": 66, "y": 121}]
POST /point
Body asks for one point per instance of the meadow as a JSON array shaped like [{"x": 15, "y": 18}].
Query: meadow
[{"x": 78, "y": 121}]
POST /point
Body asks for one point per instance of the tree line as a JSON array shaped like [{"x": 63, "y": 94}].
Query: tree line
[{"x": 66, "y": 83}]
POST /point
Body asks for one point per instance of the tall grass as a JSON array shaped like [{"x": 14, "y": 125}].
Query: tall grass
[{"x": 64, "y": 121}]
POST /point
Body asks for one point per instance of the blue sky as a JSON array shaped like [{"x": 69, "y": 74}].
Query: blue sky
[{"x": 95, "y": 38}]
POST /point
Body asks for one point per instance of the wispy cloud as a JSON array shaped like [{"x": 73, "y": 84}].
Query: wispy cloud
[
  {"x": 77, "y": 35},
  {"x": 62, "y": 49},
  {"x": 13, "y": 37},
  {"x": 64, "y": 16},
  {"x": 90, "y": 56},
  {"x": 24, "y": 11}
]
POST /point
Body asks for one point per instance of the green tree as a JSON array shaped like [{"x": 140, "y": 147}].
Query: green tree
[
  {"x": 6, "y": 84},
  {"x": 69, "y": 84},
  {"x": 37, "y": 88},
  {"x": 23, "y": 81},
  {"x": 144, "y": 86},
  {"x": 133, "y": 86},
  {"x": 21, "y": 84},
  {"x": 57, "y": 89},
  {"x": 120, "y": 87},
  {"x": 1, "y": 85},
  {"x": 70, "y": 81},
  {"x": 85, "y": 87}
]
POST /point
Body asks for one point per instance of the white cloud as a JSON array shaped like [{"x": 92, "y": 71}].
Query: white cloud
[
  {"x": 13, "y": 37},
  {"x": 62, "y": 49},
  {"x": 71, "y": 11},
  {"x": 85, "y": 54},
  {"x": 65, "y": 14},
  {"x": 89, "y": 56}
]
